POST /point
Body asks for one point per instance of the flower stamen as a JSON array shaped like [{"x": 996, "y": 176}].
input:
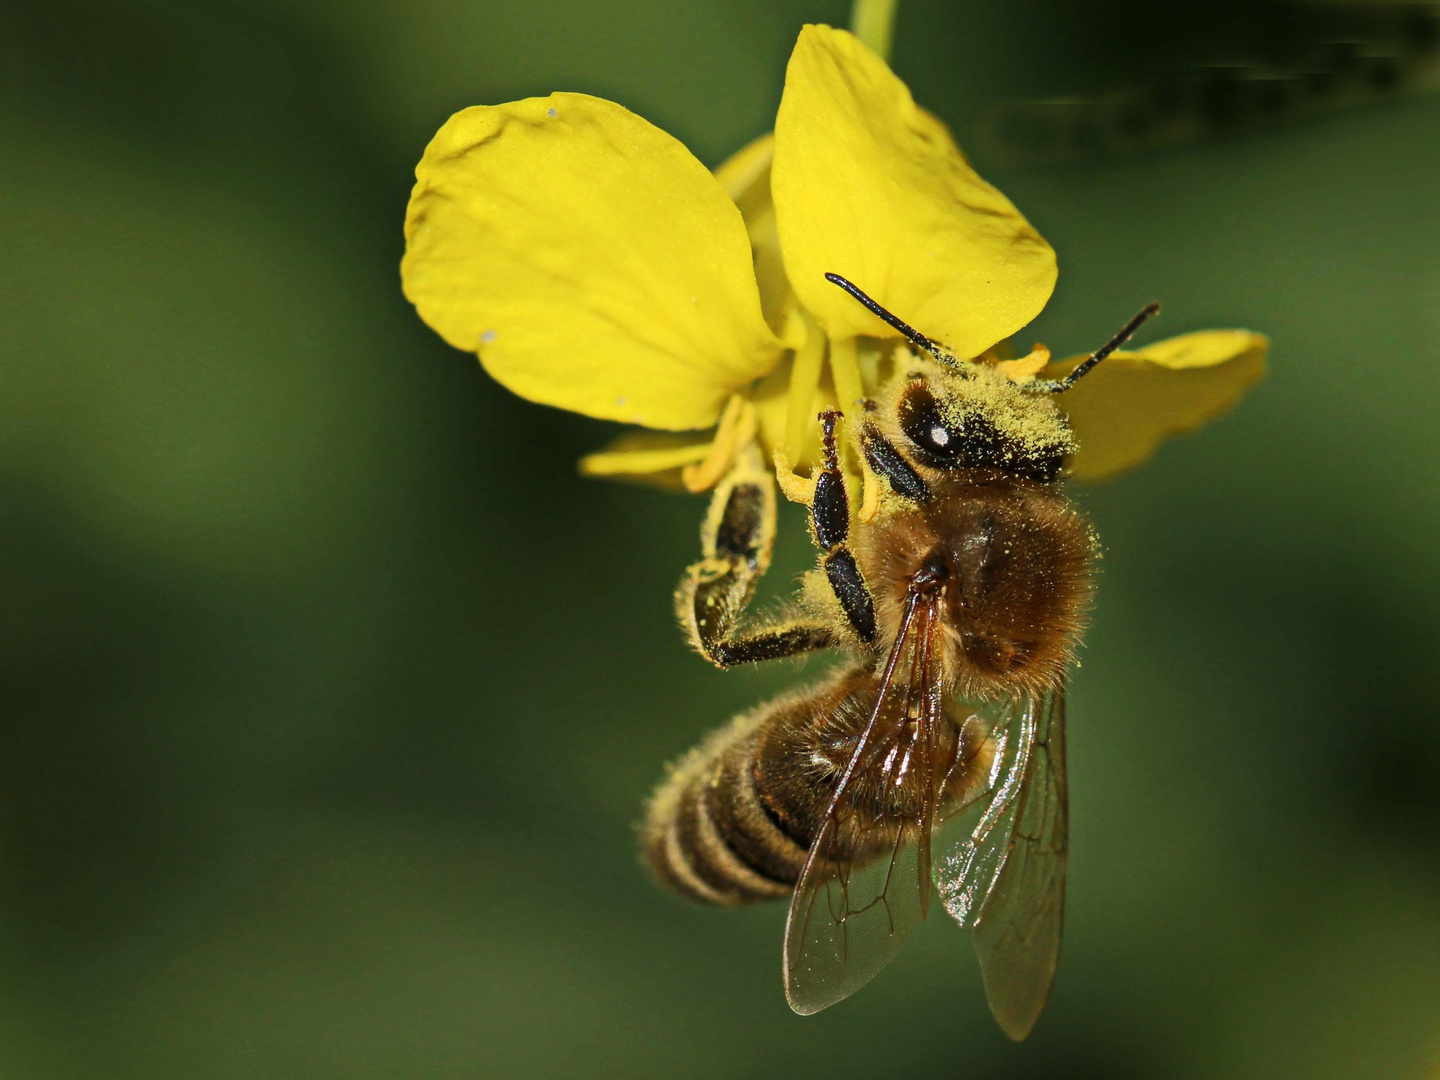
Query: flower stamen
[
  {"x": 1024, "y": 368},
  {"x": 736, "y": 429}
]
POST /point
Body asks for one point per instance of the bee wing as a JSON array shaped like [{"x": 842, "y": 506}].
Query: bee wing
[
  {"x": 866, "y": 881},
  {"x": 1007, "y": 879},
  {"x": 847, "y": 921}
]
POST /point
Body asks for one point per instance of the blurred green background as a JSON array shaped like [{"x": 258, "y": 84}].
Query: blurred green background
[{"x": 331, "y": 693}]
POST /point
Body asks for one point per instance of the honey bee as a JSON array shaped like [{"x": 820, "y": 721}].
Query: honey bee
[{"x": 959, "y": 606}]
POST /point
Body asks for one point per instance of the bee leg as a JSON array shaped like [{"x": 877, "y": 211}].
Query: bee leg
[
  {"x": 885, "y": 461},
  {"x": 736, "y": 541},
  {"x": 830, "y": 518}
]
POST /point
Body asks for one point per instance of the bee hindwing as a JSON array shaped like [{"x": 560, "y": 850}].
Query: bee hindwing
[{"x": 1007, "y": 878}]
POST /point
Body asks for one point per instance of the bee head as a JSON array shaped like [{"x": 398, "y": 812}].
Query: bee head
[{"x": 978, "y": 420}]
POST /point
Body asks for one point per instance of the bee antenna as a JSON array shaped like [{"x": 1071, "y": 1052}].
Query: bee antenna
[
  {"x": 1059, "y": 386},
  {"x": 894, "y": 321}
]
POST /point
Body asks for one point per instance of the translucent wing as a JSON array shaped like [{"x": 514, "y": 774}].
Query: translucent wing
[
  {"x": 866, "y": 881},
  {"x": 848, "y": 922},
  {"x": 1007, "y": 879}
]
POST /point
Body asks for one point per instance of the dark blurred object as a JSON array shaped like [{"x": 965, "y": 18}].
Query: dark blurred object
[{"x": 1228, "y": 73}]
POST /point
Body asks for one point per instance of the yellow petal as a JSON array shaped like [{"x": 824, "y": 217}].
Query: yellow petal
[
  {"x": 869, "y": 186},
  {"x": 587, "y": 256},
  {"x": 746, "y": 176},
  {"x": 648, "y": 457},
  {"x": 1123, "y": 409},
  {"x": 775, "y": 399},
  {"x": 805, "y": 372},
  {"x": 773, "y": 406}
]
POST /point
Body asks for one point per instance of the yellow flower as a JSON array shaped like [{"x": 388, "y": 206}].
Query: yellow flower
[{"x": 595, "y": 265}]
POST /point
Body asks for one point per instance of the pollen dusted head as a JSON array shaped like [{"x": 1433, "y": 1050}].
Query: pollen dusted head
[{"x": 973, "y": 417}]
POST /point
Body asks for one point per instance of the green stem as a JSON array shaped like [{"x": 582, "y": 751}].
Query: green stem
[{"x": 873, "y": 22}]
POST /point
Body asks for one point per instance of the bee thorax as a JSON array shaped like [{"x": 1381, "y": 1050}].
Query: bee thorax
[{"x": 1012, "y": 561}]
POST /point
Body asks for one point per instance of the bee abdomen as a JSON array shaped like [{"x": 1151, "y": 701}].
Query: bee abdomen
[{"x": 711, "y": 835}]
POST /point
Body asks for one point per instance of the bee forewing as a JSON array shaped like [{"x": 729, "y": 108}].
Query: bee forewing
[
  {"x": 1007, "y": 879},
  {"x": 845, "y": 926},
  {"x": 866, "y": 881}
]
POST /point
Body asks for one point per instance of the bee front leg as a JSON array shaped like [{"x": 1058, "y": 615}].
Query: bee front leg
[
  {"x": 830, "y": 518},
  {"x": 889, "y": 464},
  {"x": 736, "y": 541}
]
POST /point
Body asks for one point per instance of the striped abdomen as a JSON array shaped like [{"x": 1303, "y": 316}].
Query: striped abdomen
[{"x": 735, "y": 819}]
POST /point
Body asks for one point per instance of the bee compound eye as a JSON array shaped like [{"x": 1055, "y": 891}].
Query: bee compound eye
[{"x": 925, "y": 426}]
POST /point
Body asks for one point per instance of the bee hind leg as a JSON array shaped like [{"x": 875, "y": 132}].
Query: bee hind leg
[
  {"x": 736, "y": 542},
  {"x": 830, "y": 519}
]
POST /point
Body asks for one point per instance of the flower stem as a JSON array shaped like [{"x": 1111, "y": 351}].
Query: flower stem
[{"x": 873, "y": 22}]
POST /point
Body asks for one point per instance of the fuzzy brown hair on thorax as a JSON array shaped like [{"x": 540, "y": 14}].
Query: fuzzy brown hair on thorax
[{"x": 1018, "y": 560}]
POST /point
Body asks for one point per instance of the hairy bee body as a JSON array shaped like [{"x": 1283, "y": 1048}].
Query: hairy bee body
[
  {"x": 956, "y": 590},
  {"x": 735, "y": 819},
  {"x": 1018, "y": 560}
]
